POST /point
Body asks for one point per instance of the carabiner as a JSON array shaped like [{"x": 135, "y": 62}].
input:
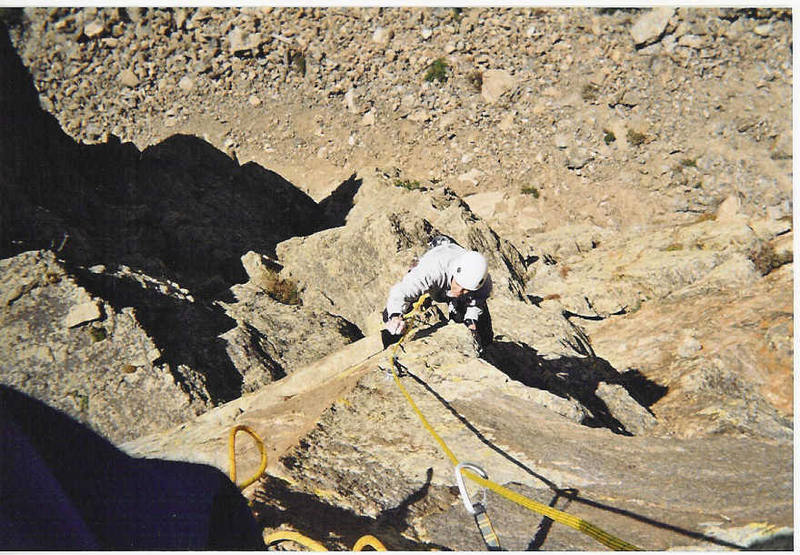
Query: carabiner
[{"x": 476, "y": 507}]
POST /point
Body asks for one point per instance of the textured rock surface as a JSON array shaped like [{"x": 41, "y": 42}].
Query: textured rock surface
[
  {"x": 153, "y": 237},
  {"x": 349, "y": 269},
  {"x": 369, "y": 466},
  {"x": 673, "y": 128},
  {"x": 106, "y": 373}
]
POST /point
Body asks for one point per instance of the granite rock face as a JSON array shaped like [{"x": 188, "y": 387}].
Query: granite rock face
[
  {"x": 349, "y": 269},
  {"x": 202, "y": 211}
]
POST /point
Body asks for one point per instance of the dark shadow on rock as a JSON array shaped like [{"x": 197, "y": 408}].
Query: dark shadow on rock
[
  {"x": 547, "y": 523},
  {"x": 186, "y": 333},
  {"x": 573, "y": 378},
  {"x": 337, "y": 205},
  {"x": 658, "y": 524},
  {"x": 404, "y": 371},
  {"x": 777, "y": 542},
  {"x": 277, "y": 504},
  {"x": 430, "y": 330},
  {"x": 179, "y": 211}
]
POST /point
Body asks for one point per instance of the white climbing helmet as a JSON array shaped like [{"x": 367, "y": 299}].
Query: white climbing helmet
[{"x": 470, "y": 269}]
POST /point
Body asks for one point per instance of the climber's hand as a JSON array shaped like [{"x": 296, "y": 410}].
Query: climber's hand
[{"x": 396, "y": 325}]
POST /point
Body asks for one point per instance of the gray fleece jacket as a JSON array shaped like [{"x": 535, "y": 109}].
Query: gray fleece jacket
[{"x": 432, "y": 275}]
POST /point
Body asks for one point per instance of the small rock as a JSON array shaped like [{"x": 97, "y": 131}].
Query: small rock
[
  {"x": 82, "y": 313},
  {"x": 507, "y": 122},
  {"x": 241, "y": 41},
  {"x": 368, "y": 119},
  {"x": 259, "y": 268},
  {"x": 764, "y": 30},
  {"x": 577, "y": 158},
  {"x": 689, "y": 347},
  {"x": 254, "y": 100},
  {"x": 728, "y": 209},
  {"x": 426, "y": 33},
  {"x": 562, "y": 141},
  {"x": 94, "y": 29},
  {"x": 128, "y": 79},
  {"x": 381, "y": 35},
  {"x": 420, "y": 116},
  {"x": 471, "y": 176},
  {"x": 186, "y": 83},
  {"x": 350, "y": 101},
  {"x": 692, "y": 41},
  {"x": 495, "y": 83},
  {"x": 649, "y": 27},
  {"x": 629, "y": 98}
]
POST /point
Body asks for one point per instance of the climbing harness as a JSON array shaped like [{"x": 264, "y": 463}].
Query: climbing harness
[
  {"x": 554, "y": 514},
  {"x": 232, "y": 455},
  {"x": 478, "y": 510}
]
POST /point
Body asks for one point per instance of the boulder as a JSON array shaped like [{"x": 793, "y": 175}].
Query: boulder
[
  {"x": 649, "y": 27},
  {"x": 495, "y": 83}
]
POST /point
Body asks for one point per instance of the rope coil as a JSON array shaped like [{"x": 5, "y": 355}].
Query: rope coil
[{"x": 305, "y": 541}]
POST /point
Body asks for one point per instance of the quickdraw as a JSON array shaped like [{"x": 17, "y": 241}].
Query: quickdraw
[{"x": 478, "y": 510}]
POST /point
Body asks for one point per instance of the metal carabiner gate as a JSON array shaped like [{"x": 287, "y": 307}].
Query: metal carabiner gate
[{"x": 477, "y": 510}]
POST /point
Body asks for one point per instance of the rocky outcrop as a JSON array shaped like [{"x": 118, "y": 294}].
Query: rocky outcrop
[
  {"x": 543, "y": 412},
  {"x": 367, "y": 465},
  {"x": 101, "y": 368},
  {"x": 610, "y": 121},
  {"x": 155, "y": 238},
  {"x": 348, "y": 270}
]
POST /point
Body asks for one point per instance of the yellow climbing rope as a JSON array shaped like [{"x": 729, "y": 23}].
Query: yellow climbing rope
[
  {"x": 558, "y": 516},
  {"x": 370, "y": 541},
  {"x": 232, "y": 454},
  {"x": 305, "y": 541}
]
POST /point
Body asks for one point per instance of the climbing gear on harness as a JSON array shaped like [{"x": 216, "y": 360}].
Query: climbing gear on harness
[
  {"x": 550, "y": 512},
  {"x": 232, "y": 455},
  {"x": 470, "y": 270},
  {"x": 478, "y": 510}
]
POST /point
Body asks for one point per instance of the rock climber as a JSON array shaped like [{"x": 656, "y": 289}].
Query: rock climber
[{"x": 449, "y": 274}]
